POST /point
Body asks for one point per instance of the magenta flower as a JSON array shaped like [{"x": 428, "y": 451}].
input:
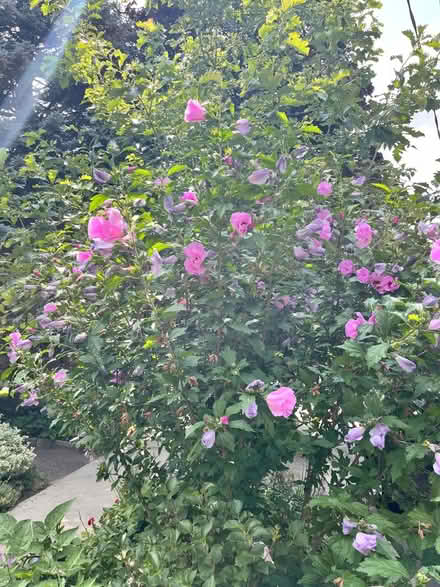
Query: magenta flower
[
  {"x": 19, "y": 343},
  {"x": 351, "y": 328},
  {"x": 324, "y": 214},
  {"x": 251, "y": 410},
  {"x": 386, "y": 283},
  {"x": 189, "y": 197},
  {"x": 300, "y": 253},
  {"x": 83, "y": 257},
  {"x": 359, "y": 180},
  {"x": 101, "y": 176},
  {"x": 346, "y": 267},
  {"x": 48, "y": 308},
  {"x": 241, "y": 222},
  {"x": 363, "y": 275},
  {"x": 405, "y": 364},
  {"x": 194, "y": 112},
  {"x": 435, "y": 252},
  {"x": 260, "y": 176},
  {"x": 434, "y": 324},
  {"x": 365, "y": 543},
  {"x": 106, "y": 230},
  {"x": 281, "y": 402},
  {"x": 324, "y": 189},
  {"x": 60, "y": 377},
  {"x": 157, "y": 262},
  {"x": 436, "y": 465},
  {"x": 326, "y": 231},
  {"x": 208, "y": 438},
  {"x": 243, "y": 126},
  {"x": 378, "y": 434},
  {"x": 224, "y": 420},
  {"x": 364, "y": 234},
  {"x": 348, "y": 526},
  {"x": 195, "y": 254},
  {"x": 32, "y": 400},
  {"x": 355, "y": 434}
]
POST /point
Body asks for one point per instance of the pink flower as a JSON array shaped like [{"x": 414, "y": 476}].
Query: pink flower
[
  {"x": 434, "y": 324},
  {"x": 157, "y": 262},
  {"x": 363, "y": 275},
  {"x": 406, "y": 364},
  {"x": 243, "y": 126},
  {"x": 385, "y": 284},
  {"x": 364, "y": 543},
  {"x": 13, "y": 357},
  {"x": 364, "y": 234},
  {"x": 227, "y": 160},
  {"x": 60, "y": 377},
  {"x": 281, "y": 402},
  {"x": 195, "y": 254},
  {"x": 378, "y": 434},
  {"x": 324, "y": 189},
  {"x": 354, "y": 435},
  {"x": 260, "y": 176},
  {"x": 241, "y": 222},
  {"x": 435, "y": 252},
  {"x": 83, "y": 257},
  {"x": 436, "y": 465},
  {"x": 346, "y": 267},
  {"x": 324, "y": 214},
  {"x": 190, "y": 197},
  {"x": 351, "y": 329},
  {"x": 162, "y": 181},
  {"x": 300, "y": 253},
  {"x": 32, "y": 400},
  {"x": 395, "y": 220},
  {"x": 315, "y": 248},
  {"x": 194, "y": 112},
  {"x": 208, "y": 438},
  {"x": 105, "y": 230},
  {"x": 19, "y": 343},
  {"x": 359, "y": 180},
  {"x": 224, "y": 420},
  {"x": 101, "y": 176},
  {"x": 326, "y": 231},
  {"x": 280, "y": 302},
  {"x": 48, "y": 308}
]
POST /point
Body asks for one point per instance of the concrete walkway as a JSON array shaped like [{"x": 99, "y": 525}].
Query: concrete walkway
[{"x": 90, "y": 498}]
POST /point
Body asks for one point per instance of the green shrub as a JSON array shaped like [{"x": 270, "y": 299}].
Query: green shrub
[
  {"x": 16, "y": 456},
  {"x": 9, "y": 495}
]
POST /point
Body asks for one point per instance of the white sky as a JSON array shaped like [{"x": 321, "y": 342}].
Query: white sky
[{"x": 395, "y": 18}]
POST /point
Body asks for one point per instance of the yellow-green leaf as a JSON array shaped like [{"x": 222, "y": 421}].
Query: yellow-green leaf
[
  {"x": 286, "y": 4},
  {"x": 311, "y": 128},
  {"x": 301, "y": 45},
  {"x": 383, "y": 187}
]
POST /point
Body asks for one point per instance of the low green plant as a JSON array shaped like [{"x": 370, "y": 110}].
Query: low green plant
[{"x": 16, "y": 456}]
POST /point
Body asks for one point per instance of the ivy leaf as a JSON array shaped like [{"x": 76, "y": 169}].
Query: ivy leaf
[
  {"x": 378, "y": 567},
  {"x": 376, "y": 353}
]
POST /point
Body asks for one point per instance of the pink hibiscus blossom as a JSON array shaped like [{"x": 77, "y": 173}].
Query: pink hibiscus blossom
[
  {"x": 189, "y": 197},
  {"x": 351, "y": 327},
  {"x": 194, "y": 112},
  {"x": 281, "y": 402},
  {"x": 241, "y": 222},
  {"x": 106, "y": 230},
  {"x": 435, "y": 252},
  {"x": 60, "y": 377},
  {"x": 364, "y": 234},
  {"x": 363, "y": 275},
  {"x": 195, "y": 254},
  {"x": 243, "y": 126},
  {"x": 324, "y": 189},
  {"x": 48, "y": 308},
  {"x": 346, "y": 267}
]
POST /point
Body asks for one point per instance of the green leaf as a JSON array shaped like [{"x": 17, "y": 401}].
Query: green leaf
[
  {"x": 383, "y": 187},
  {"x": 301, "y": 45},
  {"x": 375, "y": 566},
  {"x": 55, "y": 516},
  {"x": 376, "y": 353},
  {"x": 219, "y": 407},
  {"x": 189, "y": 430},
  {"x": 97, "y": 201},
  {"x": 387, "y": 549},
  {"x": 283, "y": 117},
  {"x": 437, "y": 545},
  {"x": 240, "y": 425},
  {"x": 176, "y": 169},
  {"x": 209, "y": 582},
  {"x": 229, "y": 356},
  {"x": 311, "y": 128}
]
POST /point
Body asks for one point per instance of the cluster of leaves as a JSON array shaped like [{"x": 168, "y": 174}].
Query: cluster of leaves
[{"x": 155, "y": 358}]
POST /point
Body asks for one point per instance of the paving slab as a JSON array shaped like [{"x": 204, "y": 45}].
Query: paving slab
[{"x": 91, "y": 497}]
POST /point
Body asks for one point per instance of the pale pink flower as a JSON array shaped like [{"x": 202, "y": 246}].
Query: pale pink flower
[
  {"x": 260, "y": 176},
  {"x": 190, "y": 197},
  {"x": 162, "y": 181},
  {"x": 364, "y": 543},
  {"x": 346, "y": 267},
  {"x": 326, "y": 231},
  {"x": 48, "y": 308},
  {"x": 359, "y": 180},
  {"x": 324, "y": 189},
  {"x": 436, "y": 465},
  {"x": 315, "y": 248},
  {"x": 281, "y": 402},
  {"x": 363, "y": 275},
  {"x": 300, "y": 253},
  {"x": 364, "y": 234},
  {"x": 194, "y": 112},
  {"x": 434, "y": 324},
  {"x": 208, "y": 438},
  {"x": 157, "y": 262},
  {"x": 241, "y": 222},
  {"x": 354, "y": 435},
  {"x": 32, "y": 399},
  {"x": 243, "y": 126},
  {"x": 60, "y": 377},
  {"x": 227, "y": 160},
  {"x": 324, "y": 214},
  {"x": 378, "y": 434}
]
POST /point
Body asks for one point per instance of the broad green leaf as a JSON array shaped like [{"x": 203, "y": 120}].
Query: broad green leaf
[
  {"x": 286, "y": 4},
  {"x": 311, "y": 128},
  {"x": 229, "y": 356},
  {"x": 382, "y": 186},
  {"x": 375, "y": 566},
  {"x": 240, "y": 425},
  {"x": 176, "y": 169},
  {"x": 97, "y": 201},
  {"x": 189, "y": 430},
  {"x": 55, "y": 516},
  {"x": 376, "y": 353}
]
